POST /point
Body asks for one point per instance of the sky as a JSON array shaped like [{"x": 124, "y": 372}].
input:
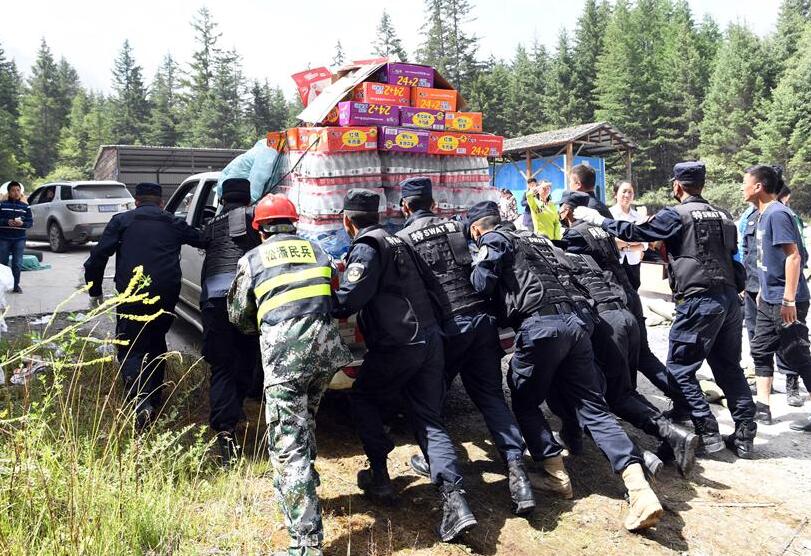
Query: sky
[{"x": 276, "y": 40}]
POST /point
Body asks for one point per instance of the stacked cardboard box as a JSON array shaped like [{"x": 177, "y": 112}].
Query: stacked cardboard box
[{"x": 404, "y": 120}]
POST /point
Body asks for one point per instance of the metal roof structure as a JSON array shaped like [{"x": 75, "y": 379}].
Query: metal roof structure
[
  {"x": 169, "y": 166},
  {"x": 591, "y": 139}
]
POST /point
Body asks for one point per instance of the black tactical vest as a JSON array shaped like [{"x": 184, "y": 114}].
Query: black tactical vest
[
  {"x": 291, "y": 278},
  {"x": 401, "y": 310},
  {"x": 441, "y": 244},
  {"x": 229, "y": 237},
  {"x": 603, "y": 249},
  {"x": 703, "y": 259},
  {"x": 749, "y": 254},
  {"x": 601, "y": 285},
  {"x": 534, "y": 281}
]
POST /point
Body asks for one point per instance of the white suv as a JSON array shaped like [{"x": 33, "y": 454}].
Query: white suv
[{"x": 75, "y": 212}]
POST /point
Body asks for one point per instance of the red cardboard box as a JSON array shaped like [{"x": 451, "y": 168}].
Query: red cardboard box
[
  {"x": 337, "y": 139},
  {"x": 383, "y": 93},
  {"x": 435, "y": 99},
  {"x": 332, "y": 117},
  {"x": 464, "y": 121},
  {"x": 465, "y": 144},
  {"x": 285, "y": 139}
]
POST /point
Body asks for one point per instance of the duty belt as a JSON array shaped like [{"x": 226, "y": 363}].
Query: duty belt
[
  {"x": 609, "y": 306},
  {"x": 555, "y": 309}
]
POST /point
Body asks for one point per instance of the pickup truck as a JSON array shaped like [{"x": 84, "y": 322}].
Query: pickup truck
[{"x": 195, "y": 201}]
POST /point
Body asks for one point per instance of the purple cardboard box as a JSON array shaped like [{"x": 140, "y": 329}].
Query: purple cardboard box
[
  {"x": 402, "y": 139},
  {"x": 422, "y": 118},
  {"x": 410, "y": 75},
  {"x": 365, "y": 113}
]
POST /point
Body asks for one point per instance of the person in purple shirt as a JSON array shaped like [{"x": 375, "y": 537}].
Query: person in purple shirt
[{"x": 784, "y": 297}]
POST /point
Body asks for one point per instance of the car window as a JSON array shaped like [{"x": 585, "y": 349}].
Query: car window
[
  {"x": 180, "y": 203},
  {"x": 34, "y": 197},
  {"x": 101, "y": 192},
  {"x": 207, "y": 211},
  {"x": 46, "y": 195},
  {"x": 65, "y": 192}
]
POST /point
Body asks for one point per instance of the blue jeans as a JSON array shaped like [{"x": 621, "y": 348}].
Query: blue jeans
[{"x": 13, "y": 248}]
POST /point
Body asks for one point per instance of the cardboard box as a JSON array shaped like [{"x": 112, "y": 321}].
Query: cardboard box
[
  {"x": 283, "y": 140},
  {"x": 465, "y": 144},
  {"x": 464, "y": 121},
  {"x": 435, "y": 99},
  {"x": 410, "y": 75},
  {"x": 403, "y": 139},
  {"x": 422, "y": 118},
  {"x": 332, "y": 117},
  {"x": 383, "y": 93},
  {"x": 311, "y": 82},
  {"x": 337, "y": 139},
  {"x": 364, "y": 113}
]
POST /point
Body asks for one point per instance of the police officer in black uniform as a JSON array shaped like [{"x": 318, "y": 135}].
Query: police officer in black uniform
[
  {"x": 405, "y": 359},
  {"x": 150, "y": 237},
  {"x": 470, "y": 336},
  {"x": 231, "y": 355},
  {"x": 700, "y": 241},
  {"x": 586, "y": 238},
  {"x": 583, "y": 179},
  {"x": 520, "y": 272}
]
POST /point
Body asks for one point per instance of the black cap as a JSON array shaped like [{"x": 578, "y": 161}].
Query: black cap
[
  {"x": 416, "y": 187},
  {"x": 361, "y": 200},
  {"x": 575, "y": 199},
  {"x": 148, "y": 188},
  {"x": 482, "y": 209},
  {"x": 689, "y": 173},
  {"x": 236, "y": 190}
]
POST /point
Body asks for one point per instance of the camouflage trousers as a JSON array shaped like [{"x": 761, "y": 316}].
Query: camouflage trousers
[{"x": 300, "y": 357}]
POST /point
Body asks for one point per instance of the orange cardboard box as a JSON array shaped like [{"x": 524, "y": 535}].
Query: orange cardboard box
[
  {"x": 337, "y": 139},
  {"x": 435, "y": 99},
  {"x": 464, "y": 121},
  {"x": 383, "y": 93},
  {"x": 465, "y": 144},
  {"x": 277, "y": 138}
]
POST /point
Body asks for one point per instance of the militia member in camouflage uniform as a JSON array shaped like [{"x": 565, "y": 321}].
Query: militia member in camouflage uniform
[{"x": 284, "y": 286}]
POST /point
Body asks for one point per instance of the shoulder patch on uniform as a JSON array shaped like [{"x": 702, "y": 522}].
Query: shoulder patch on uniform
[{"x": 354, "y": 272}]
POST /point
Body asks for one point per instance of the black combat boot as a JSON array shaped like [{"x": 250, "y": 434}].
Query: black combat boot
[
  {"x": 710, "y": 438},
  {"x": 742, "y": 441},
  {"x": 376, "y": 484},
  {"x": 456, "y": 515},
  {"x": 652, "y": 464},
  {"x": 763, "y": 413},
  {"x": 419, "y": 465},
  {"x": 678, "y": 414},
  {"x": 229, "y": 451},
  {"x": 520, "y": 488},
  {"x": 793, "y": 396},
  {"x": 682, "y": 442}
]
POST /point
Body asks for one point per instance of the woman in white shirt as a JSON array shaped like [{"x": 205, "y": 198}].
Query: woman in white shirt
[{"x": 630, "y": 253}]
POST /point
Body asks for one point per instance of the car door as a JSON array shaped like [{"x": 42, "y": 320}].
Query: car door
[
  {"x": 182, "y": 205},
  {"x": 39, "y": 211}
]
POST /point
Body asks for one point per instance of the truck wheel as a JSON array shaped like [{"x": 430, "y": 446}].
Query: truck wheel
[{"x": 56, "y": 238}]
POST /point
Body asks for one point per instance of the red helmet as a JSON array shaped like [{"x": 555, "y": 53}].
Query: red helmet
[{"x": 273, "y": 207}]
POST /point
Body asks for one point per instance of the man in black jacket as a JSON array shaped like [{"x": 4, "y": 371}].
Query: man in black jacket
[{"x": 149, "y": 237}]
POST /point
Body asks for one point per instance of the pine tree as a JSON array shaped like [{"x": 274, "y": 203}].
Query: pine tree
[
  {"x": 41, "y": 117},
  {"x": 461, "y": 48},
  {"x": 164, "y": 118},
  {"x": 73, "y": 142},
  {"x": 338, "y": 58},
  {"x": 9, "y": 113},
  {"x": 524, "y": 106},
  {"x": 199, "y": 102},
  {"x": 562, "y": 104},
  {"x": 791, "y": 23},
  {"x": 269, "y": 109},
  {"x": 489, "y": 95},
  {"x": 132, "y": 107},
  {"x": 588, "y": 44},
  {"x": 228, "y": 128},
  {"x": 736, "y": 94},
  {"x": 784, "y": 137},
  {"x": 434, "y": 49},
  {"x": 68, "y": 86},
  {"x": 387, "y": 42},
  {"x": 98, "y": 123}
]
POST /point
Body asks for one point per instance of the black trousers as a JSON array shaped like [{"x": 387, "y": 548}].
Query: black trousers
[
  {"x": 634, "y": 272},
  {"x": 142, "y": 361},
  {"x": 234, "y": 361},
  {"x": 414, "y": 374},
  {"x": 555, "y": 351},
  {"x": 750, "y": 320},
  {"x": 475, "y": 354},
  {"x": 771, "y": 336}
]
